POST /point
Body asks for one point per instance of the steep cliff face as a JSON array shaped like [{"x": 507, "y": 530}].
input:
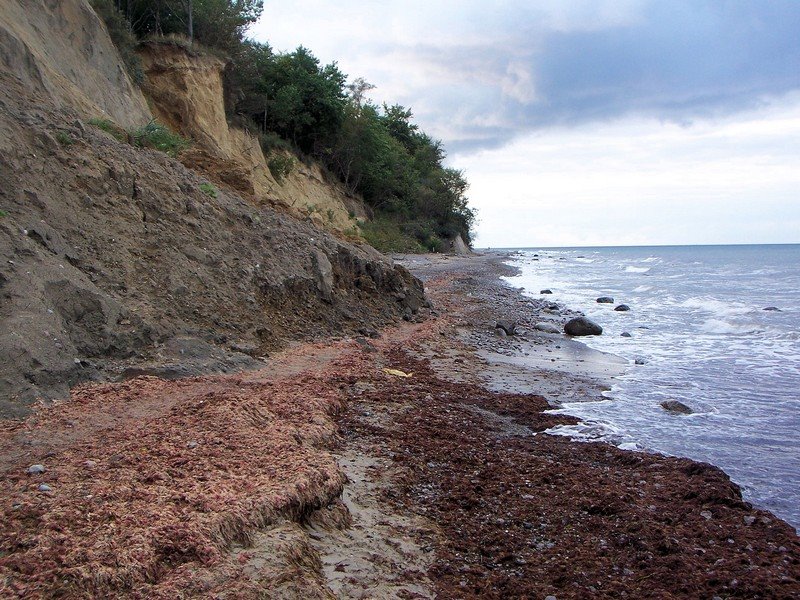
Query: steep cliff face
[
  {"x": 47, "y": 45},
  {"x": 186, "y": 93},
  {"x": 114, "y": 261}
]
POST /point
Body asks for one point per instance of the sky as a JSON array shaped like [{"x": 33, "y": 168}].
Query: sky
[{"x": 587, "y": 122}]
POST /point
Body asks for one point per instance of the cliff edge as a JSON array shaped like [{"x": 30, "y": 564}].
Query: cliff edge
[{"x": 119, "y": 261}]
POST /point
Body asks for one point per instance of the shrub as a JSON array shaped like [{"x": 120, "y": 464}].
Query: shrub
[
  {"x": 272, "y": 141},
  {"x": 3, "y": 214},
  {"x": 154, "y": 135},
  {"x": 120, "y": 32},
  {"x": 64, "y": 138},
  {"x": 281, "y": 166},
  {"x": 208, "y": 190},
  {"x": 110, "y": 127},
  {"x": 387, "y": 235}
]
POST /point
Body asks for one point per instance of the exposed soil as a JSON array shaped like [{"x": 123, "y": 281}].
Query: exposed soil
[
  {"x": 115, "y": 262},
  {"x": 325, "y": 475}
]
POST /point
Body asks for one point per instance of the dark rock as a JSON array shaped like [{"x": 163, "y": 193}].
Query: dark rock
[
  {"x": 550, "y": 292},
  {"x": 582, "y": 326},
  {"x": 625, "y": 334},
  {"x": 36, "y": 470},
  {"x": 773, "y": 309},
  {"x": 605, "y": 300},
  {"x": 638, "y": 361},
  {"x": 43, "y": 487},
  {"x": 676, "y": 408},
  {"x": 622, "y": 308},
  {"x": 500, "y": 332},
  {"x": 510, "y": 327}
]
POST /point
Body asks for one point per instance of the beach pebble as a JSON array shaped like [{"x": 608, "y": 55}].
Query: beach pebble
[
  {"x": 605, "y": 300},
  {"x": 676, "y": 408},
  {"x": 36, "y": 470},
  {"x": 550, "y": 292},
  {"x": 191, "y": 445},
  {"x": 582, "y": 326},
  {"x": 625, "y": 334},
  {"x": 43, "y": 487},
  {"x": 706, "y": 515},
  {"x": 749, "y": 520},
  {"x": 510, "y": 327},
  {"x": 550, "y": 598},
  {"x": 547, "y": 327},
  {"x": 622, "y": 308}
]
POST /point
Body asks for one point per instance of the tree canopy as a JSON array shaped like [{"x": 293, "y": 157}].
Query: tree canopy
[{"x": 376, "y": 151}]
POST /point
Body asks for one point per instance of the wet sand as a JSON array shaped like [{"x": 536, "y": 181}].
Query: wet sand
[{"x": 409, "y": 466}]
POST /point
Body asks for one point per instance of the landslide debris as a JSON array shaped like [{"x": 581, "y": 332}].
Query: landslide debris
[{"x": 115, "y": 262}]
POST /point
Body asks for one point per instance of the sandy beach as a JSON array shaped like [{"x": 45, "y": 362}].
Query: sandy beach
[{"x": 409, "y": 464}]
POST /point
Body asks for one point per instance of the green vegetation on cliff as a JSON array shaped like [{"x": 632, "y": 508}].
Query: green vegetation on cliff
[{"x": 376, "y": 151}]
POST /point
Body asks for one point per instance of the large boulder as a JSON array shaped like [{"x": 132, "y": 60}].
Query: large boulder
[
  {"x": 622, "y": 308},
  {"x": 582, "y": 326}
]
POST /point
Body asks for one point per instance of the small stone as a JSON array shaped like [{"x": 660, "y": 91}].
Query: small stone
[
  {"x": 551, "y": 291},
  {"x": 622, "y": 308},
  {"x": 676, "y": 408},
  {"x": 749, "y": 520},
  {"x": 638, "y": 361},
  {"x": 625, "y": 334},
  {"x": 550, "y": 598},
  {"x": 36, "y": 469},
  {"x": 706, "y": 515},
  {"x": 773, "y": 309},
  {"x": 605, "y": 300},
  {"x": 43, "y": 487},
  {"x": 191, "y": 445},
  {"x": 90, "y": 464}
]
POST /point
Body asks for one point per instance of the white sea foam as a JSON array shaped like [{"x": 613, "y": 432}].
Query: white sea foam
[
  {"x": 719, "y": 326},
  {"x": 589, "y": 431},
  {"x": 631, "y": 269},
  {"x": 716, "y": 307},
  {"x": 643, "y": 288}
]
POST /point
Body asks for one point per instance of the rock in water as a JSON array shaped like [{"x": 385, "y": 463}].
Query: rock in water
[
  {"x": 676, "y": 408},
  {"x": 622, "y": 308},
  {"x": 582, "y": 326},
  {"x": 773, "y": 309},
  {"x": 510, "y": 327},
  {"x": 605, "y": 300},
  {"x": 625, "y": 334},
  {"x": 551, "y": 291}
]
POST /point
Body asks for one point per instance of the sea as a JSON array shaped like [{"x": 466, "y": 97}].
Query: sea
[{"x": 699, "y": 329}]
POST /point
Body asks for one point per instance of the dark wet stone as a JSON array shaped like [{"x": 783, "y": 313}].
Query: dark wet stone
[
  {"x": 582, "y": 326},
  {"x": 622, "y": 308},
  {"x": 676, "y": 408},
  {"x": 605, "y": 300}
]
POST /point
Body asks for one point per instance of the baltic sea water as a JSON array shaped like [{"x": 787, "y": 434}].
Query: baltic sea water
[{"x": 697, "y": 322}]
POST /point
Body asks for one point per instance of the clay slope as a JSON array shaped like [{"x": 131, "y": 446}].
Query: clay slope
[
  {"x": 114, "y": 262},
  {"x": 186, "y": 93},
  {"x": 48, "y": 46}
]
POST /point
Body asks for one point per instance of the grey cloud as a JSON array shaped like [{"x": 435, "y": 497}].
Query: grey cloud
[{"x": 680, "y": 61}]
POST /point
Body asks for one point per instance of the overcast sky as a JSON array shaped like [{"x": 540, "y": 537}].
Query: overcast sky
[{"x": 588, "y": 122}]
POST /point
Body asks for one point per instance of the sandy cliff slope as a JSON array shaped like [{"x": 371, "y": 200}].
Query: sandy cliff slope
[
  {"x": 186, "y": 92},
  {"x": 61, "y": 49},
  {"x": 114, "y": 261}
]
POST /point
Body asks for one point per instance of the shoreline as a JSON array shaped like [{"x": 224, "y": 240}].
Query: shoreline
[{"x": 326, "y": 473}]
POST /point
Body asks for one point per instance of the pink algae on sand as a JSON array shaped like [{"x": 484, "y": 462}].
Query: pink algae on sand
[{"x": 152, "y": 480}]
